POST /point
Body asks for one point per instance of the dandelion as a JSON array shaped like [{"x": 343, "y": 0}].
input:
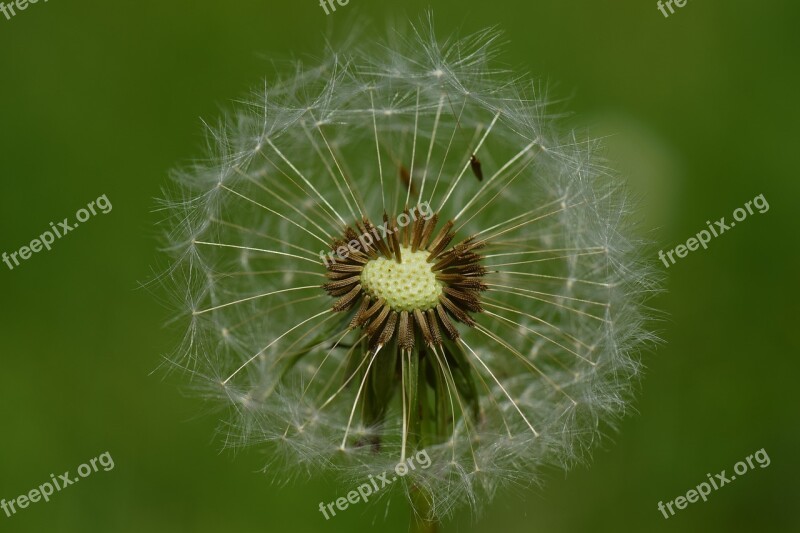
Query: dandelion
[{"x": 397, "y": 251}]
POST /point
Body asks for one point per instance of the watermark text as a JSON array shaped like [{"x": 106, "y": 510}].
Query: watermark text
[
  {"x": 364, "y": 491},
  {"x": 56, "y": 231},
  {"x": 56, "y": 484},
  {"x": 11, "y": 9},
  {"x": 716, "y": 229},
  {"x": 716, "y": 482}
]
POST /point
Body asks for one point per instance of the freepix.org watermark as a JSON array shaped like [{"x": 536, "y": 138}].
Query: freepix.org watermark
[
  {"x": 12, "y": 8},
  {"x": 56, "y": 231},
  {"x": 716, "y": 482},
  {"x": 329, "y": 6},
  {"x": 667, "y": 4},
  {"x": 56, "y": 484},
  {"x": 716, "y": 229},
  {"x": 364, "y": 491},
  {"x": 377, "y": 233}
]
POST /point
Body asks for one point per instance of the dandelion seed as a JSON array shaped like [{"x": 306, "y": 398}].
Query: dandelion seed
[
  {"x": 496, "y": 332},
  {"x": 475, "y": 163}
]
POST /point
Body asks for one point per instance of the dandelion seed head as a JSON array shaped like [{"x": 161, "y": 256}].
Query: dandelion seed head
[{"x": 500, "y": 333}]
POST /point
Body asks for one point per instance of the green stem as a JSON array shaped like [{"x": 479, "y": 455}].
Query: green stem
[
  {"x": 420, "y": 523},
  {"x": 428, "y": 429},
  {"x": 420, "y": 526}
]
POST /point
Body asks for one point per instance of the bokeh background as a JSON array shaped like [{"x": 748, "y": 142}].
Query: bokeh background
[{"x": 700, "y": 110}]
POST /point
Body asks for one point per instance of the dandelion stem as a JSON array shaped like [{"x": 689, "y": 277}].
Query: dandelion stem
[{"x": 420, "y": 521}]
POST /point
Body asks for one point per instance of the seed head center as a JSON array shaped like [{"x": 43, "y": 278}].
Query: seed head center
[{"x": 405, "y": 286}]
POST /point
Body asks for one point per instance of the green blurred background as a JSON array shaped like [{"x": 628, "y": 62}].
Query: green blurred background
[{"x": 104, "y": 98}]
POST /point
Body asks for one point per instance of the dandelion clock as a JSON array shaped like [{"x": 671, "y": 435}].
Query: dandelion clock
[{"x": 394, "y": 261}]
